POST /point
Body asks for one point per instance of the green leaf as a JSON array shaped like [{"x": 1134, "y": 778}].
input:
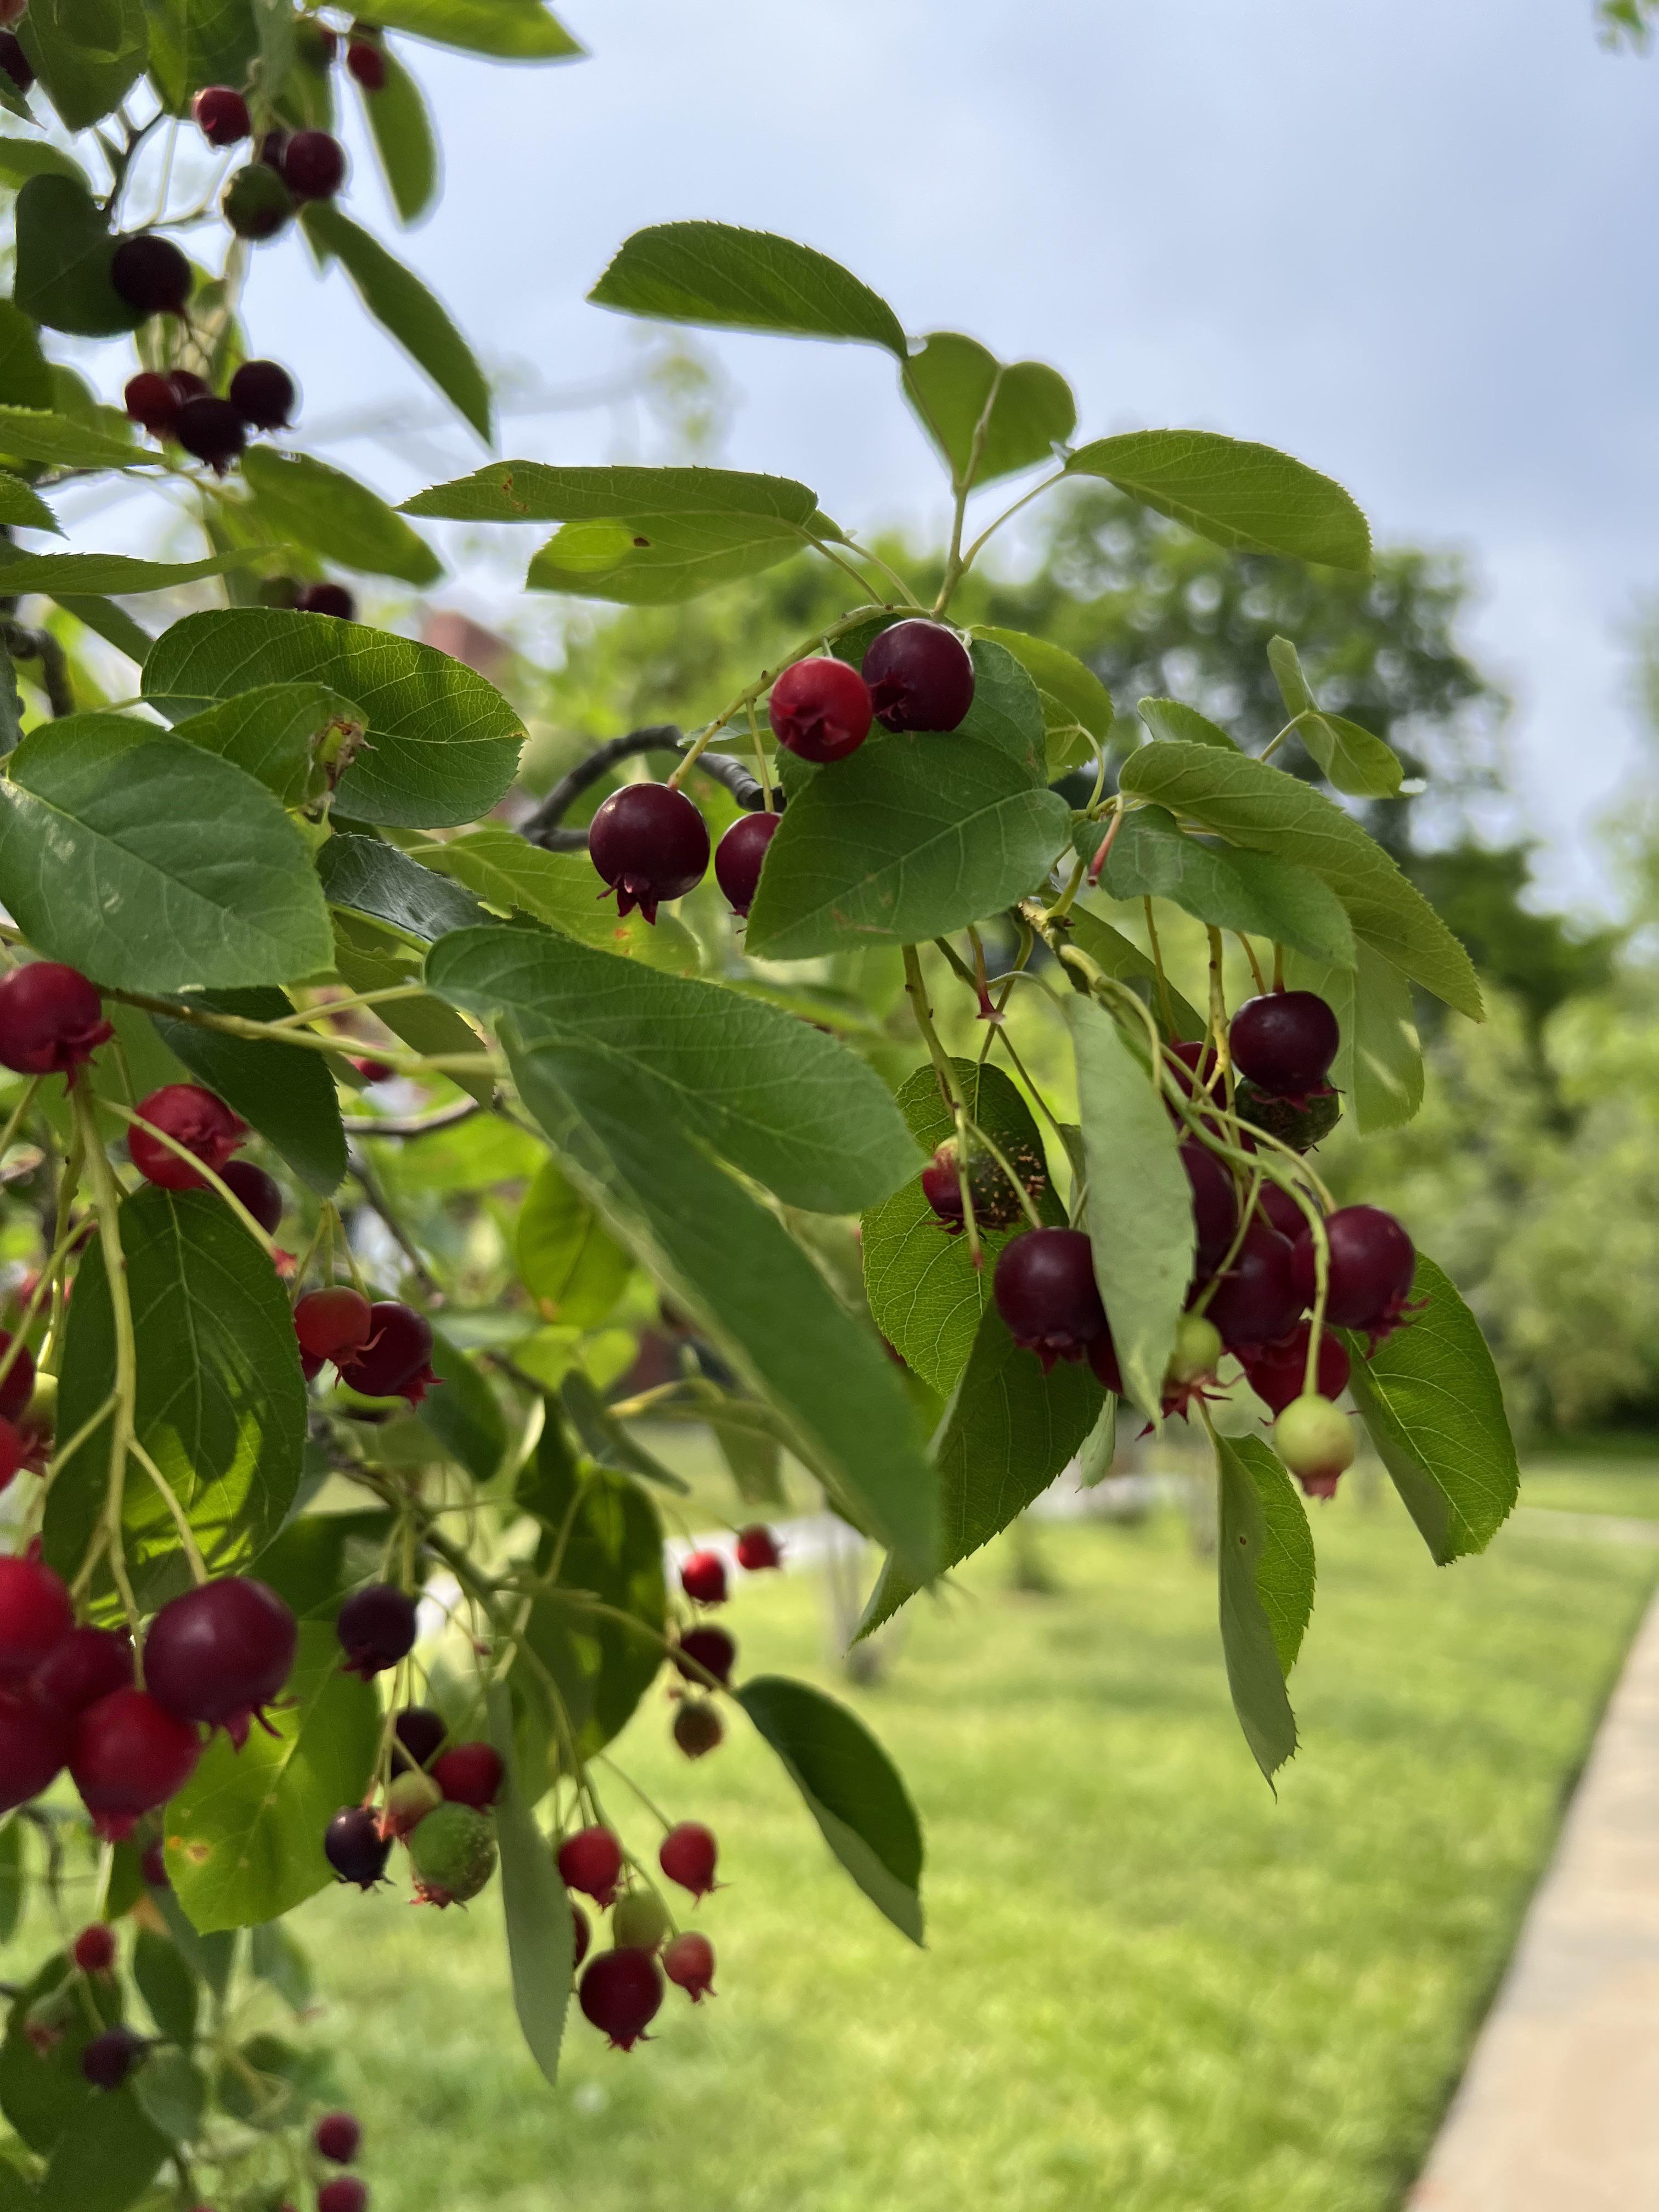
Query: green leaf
[
  {"x": 783, "y": 1102},
  {"x": 25, "y": 375},
  {"x": 925, "y": 1294},
  {"x": 285, "y": 1091},
  {"x": 1430, "y": 1398},
  {"x": 273, "y": 733},
  {"x": 1176, "y": 723},
  {"x": 21, "y": 507},
  {"x": 443, "y": 744},
  {"x": 112, "y": 624},
  {"x": 106, "y": 2160},
  {"x": 245, "y": 1835},
  {"x": 403, "y": 142},
  {"x": 211, "y": 1956},
  {"x": 1139, "y": 1206},
  {"x": 535, "y": 1904},
  {"x": 852, "y": 1789},
  {"x": 511, "y": 30},
  {"x": 1007, "y": 1431},
  {"x": 744, "y": 279},
  {"x": 1006, "y": 711},
  {"x": 65, "y": 248},
  {"x": 463, "y": 1414},
  {"x": 23, "y": 158},
  {"x": 1249, "y": 498},
  {"x": 321, "y": 507},
  {"x": 320, "y": 1557},
  {"x": 404, "y": 307},
  {"x": 375, "y": 878},
  {"x": 1099, "y": 1448},
  {"x": 571, "y": 1268},
  {"x": 1379, "y": 1062},
  {"x": 1018, "y": 411},
  {"x": 1351, "y": 758},
  {"x": 605, "y": 1439},
  {"x": 87, "y": 55},
  {"x": 197, "y": 42},
  {"x": 1251, "y": 892},
  {"x": 911, "y": 838},
  {"x": 1261, "y": 808},
  {"x": 753, "y": 1455},
  {"x": 559, "y": 889},
  {"x": 13, "y": 1879},
  {"x": 172, "y": 2093},
  {"x": 532, "y": 491},
  {"x": 167, "y": 1985},
  {"x": 36, "y": 433},
  {"x": 1114, "y": 955},
  {"x": 1061, "y": 675},
  {"x": 280, "y": 1962},
  {"x": 657, "y": 560},
  {"x": 150, "y": 865},
  {"x": 221, "y": 1400},
  {"x": 1266, "y": 1581},
  {"x": 81, "y": 573},
  {"x": 369, "y": 958}
]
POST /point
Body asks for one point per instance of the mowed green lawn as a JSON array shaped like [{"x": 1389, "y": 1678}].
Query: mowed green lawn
[{"x": 1148, "y": 1986}]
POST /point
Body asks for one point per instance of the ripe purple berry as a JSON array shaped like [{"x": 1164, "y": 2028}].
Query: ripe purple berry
[
  {"x": 327, "y": 599},
  {"x": 152, "y": 403},
  {"x": 1372, "y": 1262},
  {"x": 35, "y": 1746},
  {"x": 698, "y": 1728},
  {"x": 1276, "y": 1372},
  {"x": 710, "y": 1649},
  {"x": 262, "y": 392},
  {"x": 110, "y": 2057},
  {"x": 338, "y": 2138},
  {"x": 219, "y": 1654},
  {"x": 621, "y": 1992},
  {"x": 151, "y": 274},
  {"x": 376, "y": 1629},
  {"x": 921, "y": 677},
  {"x": 221, "y": 114},
  {"x": 1215, "y": 1204},
  {"x": 739, "y": 855},
  {"x": 313, "y": 165},
  {"x": 1046, "y": 1293},
  {"x": 261, "y": 1194},
  {"x": 354, "y": 1846},
  {"x": 649, "y": 843},
  {"x": 1285, "y": 1041},
  {"x": 212, "y": 429},
  {"x": 1256, "y": 1300}
]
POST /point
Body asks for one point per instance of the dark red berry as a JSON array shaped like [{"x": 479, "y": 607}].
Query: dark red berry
[
  {"x": 256, "y": 202},
  {"x": 263, "y": 394},
  {"x": 151, "y": 274},
  {"x": 757, "y": 1548},
  {"x": 272, "y": 146},
  {"x": 698, "y": 1728},
  {"x": 1195, "y": 1064},
  {"x": 941, "y": 1186},
  {"x": 129, "y": 1756},
  {"x": 396, "y": 1359},
  {"x": 211, "y": 429},
  {"x": 186, "y": 385},
  {"x": 921, "y": 677},
  {"x": 354, "y": 1846},
  {"x": 86, "y": 1664},
  {"x": 151, "y": 401},
  {"x": 702, "y": 1577},
  {"x": 739, "y": 855},
  {"x": 35, "y": 1615},
  {"x": 338, "y": 2138},
  {"x": 621, "y": 1992},
  {"x": 192, "y": 1117},
  {"x": 710, "y": 1649},
  {"x": 1280, "y": 1211},
  {"x": 153, "y": 1866},
  {"x": 419, "y": 1731},
  {"x": 313, "y": 165},
  {"x": 1256, "y": 1300},
  {"x": 688, "y": 1855},
  {"x": 327, "y": 599},
  {"x": 221, "y": 114},
  {"x": 688, "y": 1963},
  {"x": 592, "y": 1862},
  {"x": 1372, "y": 1262},
  {"x": 14, "y": 62},
  {"x": 345, "y": 2193},
  {"x": 110, "y": 2057},
  {"x": 95, "y": 1948},
  {"x": 15, "y": 1449},
  {"x": 649, "y": 843},
  {"x": 581, "y": 1934},
  {"x": 821, "y": 708},
  {"x": 220, "y": 1654},
  {"x": 35, "y": 1746},
  {"x": 376, "y": 1628},
  {"x": 470, "y": 1774},
  {"x": 50, "y": 1019},
  {"x": 17, "y": 1383},
  {"x": 1285, "y": 1041},
  {"x": 1046, "y": 1293},
  {"x": 1215, "y": 1204},
  {"x": 332, "y": 1321},
  {"x": 261, "y": 1194},
  {"x": 367, "y": 63},
  {"x": 1277, "y": 1372}
]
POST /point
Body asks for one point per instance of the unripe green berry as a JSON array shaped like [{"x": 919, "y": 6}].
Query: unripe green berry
[
  {"x": 413, "y": 1797},
  {"x": 1197, "y": 1349},
  {"x": 1316, "y": 1441},
  {"x": 640, "y": 1921},
  {"x": 453, "y": 1853},
  {"x": 257, "y": 203}
]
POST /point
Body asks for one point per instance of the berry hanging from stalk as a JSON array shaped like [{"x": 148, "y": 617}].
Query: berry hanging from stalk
[
  {"x": 35, "y": 1615},
  {"x": 737, "y": 859},
  {"x": 221, "y": 114},
  {"x": 639, "y": 1921},
  {"x": 354, "y": 1848},
  {"x": 220, "y": 1653},
  {"x": 338, "y": 2138},
  {"x": 702, "y": 1577},
  {"x": 688, "y": 1854},
  {"x": 35, "y": 1739},
  {"x": 365, "y": 59},
  {"x": 333, "y": 1323},
  {"x": 203, "y": 1125},
  {"x": 396, "y": 1362},
  {"x": 327, "y": 599},
  {"x": 592, "y": 1862},
  {"x": 688, "y": 1963},
  {"x": 51, "y": 1017},
  {"x": 86, "y": 1664},
  {"x": 261, "y": 1194},
  {"x": 1256, "y": 1299},
  {"x": 621, "y": 1992},
  {"x": 996, "y": 1202},
  {"x": 710, "y": 1649},
  {"x": 313, "y": 165},
  {"x": 1315, "y": 1440},
  {"x": 453, "y": 1855},
  {"x": 1371, "y": 1266},
  {"x": 129, "y": 1756},
  {"x": 110, "y": 2057},
  {"x": 1215, "y": 1204},
  {"x": 256, "y": 202},
  {"x": 345, "y": 2193},
  {"x": 1277, "y": 1372},
  {"x": 1045, "y": 1290},
  {"x": 152, "y": 403},
  {"x": 649, "y": 843},
  {"x": 263, "y": 394},
  {"x": 212, "y": 431},
  {"x": 412, "y": 1795},
  {"x": 95, "y": 1948},
  {"x": 757, "y": 1548},
  {"x": 151, "y": 274},
  {"x": 470, "y": 1774},
  {"x": 921, "y": 677},
  {"x": 698, "y": 1728},
  {"x": 821, "y": 709},
  {"x": 376, "y": 1628},
  {"x": 1284, "y": 1042},
  {"x": 419, "y": 1732},
  {"x": 1299, "y": 1124}
]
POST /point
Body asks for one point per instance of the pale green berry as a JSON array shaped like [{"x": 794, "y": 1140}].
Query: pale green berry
[
  {"x": 1316, "y": 1441},
  {"x": 1197, "y": 1349},
  {"x": 639, "y": 1921},
  {"x": 453, "y": 1853}
]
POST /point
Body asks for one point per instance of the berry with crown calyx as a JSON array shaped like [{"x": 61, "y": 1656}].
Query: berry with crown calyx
[
  {"x": 639, "y": 1921},
  {"x": 702, "y": 1577},
  {"x": 395, "y": 1361},
  {"x": 203, "y": 1125},
  {"x": 332, "y": 1321},
  {"x": 152, "y": 403},
  {"x": 376, "y": 1626},
  {"x": 1046, "y": 1293},
  {"x": 649, "y": 843},
  {"x": 1197, "y": 1350},
  {"x": 220, "y": 1653},
  {"x": 451, "y": 1854},
  {"x": 1283, "y": 1042},
  {"x": 211, "y": 429},
  {"x": 688, "y": 1854},
  {"x": 263, "y": 394},
  {"x": 128, "y": 1755},
  {"x": 1299, "y": 1124},
  {"x": 592, "y": 1862},
  {"x": 738, "y": 856},
  {"x": 996, "y": 1202},
  {"x": 221, "y": 115},
  {"x": 1315, "y": 1439},
  {"x": 1256, "y": 1299},
  {"x": 920, "y": 675},
  {"x": 52, "y": 1018},
  {"x": 354, "y": 1848},
  {"x": 698, "y": 1728},
  {"x": 338, "y": 2138},
  {"x": 470, "y": 1774},
  {"x": 758, "y": 1548},
  {"x": 410, "y": 1797},
  {"x": 1277, "y": 1372},
  {"x": 709, "y": 1650},
  {"x": 1372, "y": 1262},
  {"x": 86, "y": 1664},
  {"x": 820, "y": 710},
  {"x": 688, "y": 1963},
  {"x": 621, "y": 1992}
]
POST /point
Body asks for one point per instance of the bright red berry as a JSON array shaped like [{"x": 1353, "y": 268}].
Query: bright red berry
[
  {"x": 1277, "y": 1372},
  {"x": 203, "y": 1125},
  {"x": 396, "y": 1359},
  {"x": 86, "y": 1664},
  {"x": 470, "y": 1774},
  {"x": 1215, "y": 1204},
  {"x": 702, "y": 1577},
  {"x": 354, "y": 1846},
  {"x": 1372, "y": 1263},
  {"x": 649, "y": 843},
  {"x": 220, "y": 1653},
  {"x": 1045, "y": 1290},
  {"x": 17, "y": 1383},
  {"x": 688, "y": 1963},
  {"x": 50, "y": 1019},
  {"x": 821, "y": 709},
  {"x": 338, "y": 2138},
  {"x": 327, "y": 599},
  {"x": 345, "y": 2193},
  {"x": 592, "y": 1862},
  {"x": 1256, "y": 1300},
  {"x": 35, "y": 1615},
  {"x": 367, "y": 62},
  {"x": 263, "y": 394},
  {"x": 313, "y": 165},
  {"x": 688, "y": 1854},
  {"x": 1285, "y": 1041},
  {"x": 261, "y": 1194},
  {"x": 35, "y": 1746},
  {"x": 212, "y": 431},
  {"x": 419, "y": 1731},
  {"x": 921, "y": 677},
  {"x": 376, "y": 1628},
  {"x": 621, "y": 1992},
  {"x": 698, "y": 1728},
  {"x": 221, "y": 114},
  {"x": 757, "y": 1548},
  {"x": 332, "y": 1321},
  {"x": 739, "y": 855},
  {"x": 151, "y": 402},
  {"x": 151, "y": 274},
  {"x": 710, "y": 1649},
  {"x": 95, "y": 1948},
  {"x": 110, "y": 2057},
  {"x": 129, "y": 1756}
]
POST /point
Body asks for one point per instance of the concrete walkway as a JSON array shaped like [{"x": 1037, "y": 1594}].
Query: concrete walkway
[{"x": 1559, "y": 2109}]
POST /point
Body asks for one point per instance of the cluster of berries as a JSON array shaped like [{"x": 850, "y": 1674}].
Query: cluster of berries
[
  {"x": 621, "y": 1990},
  {"x": 649, "y": 841},
  {"x": 182, "y": 408},
  {"x": 705, "y": 1653},
  {"x": 383, "y": 1350},
  {"x": 437, "y": 1804}
]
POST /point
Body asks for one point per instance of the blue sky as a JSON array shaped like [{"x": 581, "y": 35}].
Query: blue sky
[{"x": 1411, "y": 244}]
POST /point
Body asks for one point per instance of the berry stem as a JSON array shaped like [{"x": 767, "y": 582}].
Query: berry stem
[
  {"x": 1218, "y": 1011},
  {"x": 106, "y": 1204},
  {"x": 991, "y": 528},
  {"x": 198, "y": 1567},
  {"x": 1027, "y": 942},
  {"x": 916, "y": 991},
  {"x": 332, "y": 1006},
  {"x": 962, "y": 487},
  {"x": 405, "y": 1063},
  {"x": 1163, "y": 998},
  {"x": 761, "y": 769},
  {"x": 1249, "y": 954}
]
